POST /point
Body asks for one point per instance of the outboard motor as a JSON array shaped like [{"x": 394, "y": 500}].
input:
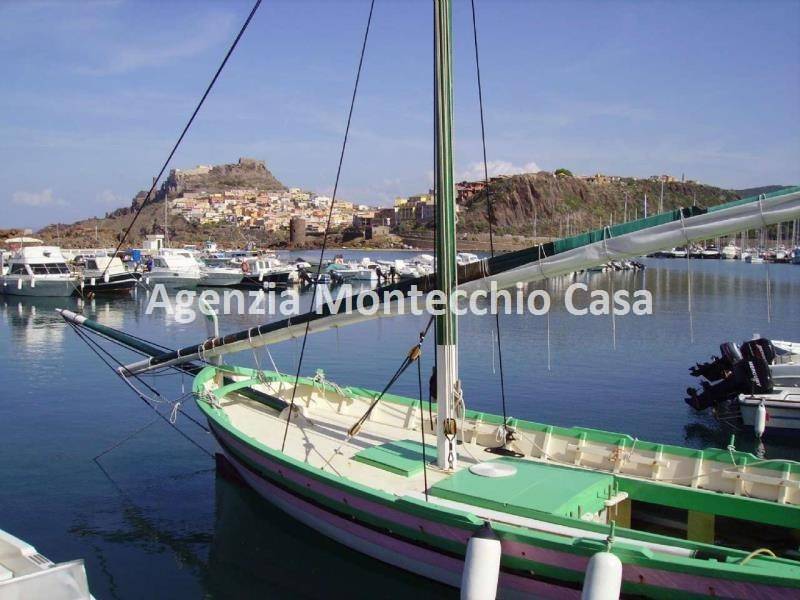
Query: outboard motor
[
  {"x": 718, "y": 366},
  {"x": 762, "y": 348},
  {"x": 750, "y": 375},
  {"x": 304, "y": 276}
]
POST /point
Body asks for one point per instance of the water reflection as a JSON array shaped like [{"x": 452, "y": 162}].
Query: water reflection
[
  {"x": 181, "y": 531},
  {"x": 258, "y": 551}
]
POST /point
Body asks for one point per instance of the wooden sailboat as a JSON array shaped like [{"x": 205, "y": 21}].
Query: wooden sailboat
[{"x": 410, "y": 483}]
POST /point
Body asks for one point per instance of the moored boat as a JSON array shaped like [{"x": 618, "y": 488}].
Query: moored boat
[
  {"x": 730, "y": 251},
  {"x": 216, "y": 272},
  {"x": 173, "y": 268},
  {"x": 24, "y": 573},
  {"x": 107, "y": 275},
  {"x": 37, "y": 270},
  {"x": 264, "y": 272}
]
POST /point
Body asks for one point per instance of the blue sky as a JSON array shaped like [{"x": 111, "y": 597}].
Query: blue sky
[{"x": 95, "y": 93}]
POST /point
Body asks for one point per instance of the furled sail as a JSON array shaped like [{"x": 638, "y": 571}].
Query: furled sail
[{"x": 634, "y": 238}]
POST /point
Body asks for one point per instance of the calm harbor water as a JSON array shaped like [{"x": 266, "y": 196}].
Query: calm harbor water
[{"x": 152, "y": 518}]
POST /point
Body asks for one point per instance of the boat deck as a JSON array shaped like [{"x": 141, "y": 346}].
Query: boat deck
[
  {"x": 576, "y": 480},
  {"x": 317, "y": 435}
]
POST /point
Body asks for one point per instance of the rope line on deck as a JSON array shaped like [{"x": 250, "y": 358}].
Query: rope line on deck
[{"x": 330, "y": 215}]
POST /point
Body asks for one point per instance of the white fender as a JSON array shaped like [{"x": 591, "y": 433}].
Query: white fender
[
  {"x": 106, "y": 277},
  {"x": 760, "y": 423},
  {"x": 603, "y": 579},
  {"x": 92, "y": 282},
  {"x": 481, "y": 565}
]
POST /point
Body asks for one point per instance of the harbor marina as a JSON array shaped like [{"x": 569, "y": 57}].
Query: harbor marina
[
  {"x": 480, "y": 500},
  {"x": 720, "y": 491}
]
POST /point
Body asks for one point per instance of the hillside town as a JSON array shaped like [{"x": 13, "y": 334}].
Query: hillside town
[{"x": 276, "y": 210}]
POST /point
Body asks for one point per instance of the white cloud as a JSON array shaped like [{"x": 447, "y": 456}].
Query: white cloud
[
  {"x": 37, "y": 199},
  {"x": 197, "y": 36},
  {"x": 110, "y": 198},
  {"x": 475, "y": 171}
]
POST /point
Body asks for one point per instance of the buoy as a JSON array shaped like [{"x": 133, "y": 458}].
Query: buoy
[
  {"x": 106, "y": 277},
  {"x": 603, "y": 578},
  {"x": 481, "y": 565},
  {"x": 761, "y": 420}
]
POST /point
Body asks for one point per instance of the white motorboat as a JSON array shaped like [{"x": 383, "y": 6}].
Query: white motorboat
[
  {"x": 758, "y": 373},
  {"x": 753, "y": 257},
  {"x": 786, "y": 351},
  {"x": 466, "y": 258},
  {"x": 264, "y": 272},
  {"x": 107, "y": 275},
  {"x": 219, "y": 273},
  {"x": 174, "y": 268},
  {"x": 24, "y": 573},
  {"x": 730, "y": 251},
  {"x": 35, "y": 270},
  {"x": 679, "y": 252},
  {"x": 344, "y": 272},
  {"x": 782, "y": 408}
]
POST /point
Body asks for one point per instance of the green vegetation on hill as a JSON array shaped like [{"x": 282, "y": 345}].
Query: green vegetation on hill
[
  {"x": 543, "y": 203},
  {"x": 558, "y": 203}
]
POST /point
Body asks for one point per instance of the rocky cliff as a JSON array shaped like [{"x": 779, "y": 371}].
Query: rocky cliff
[
  {"x": 247, "y": 173},
  {"x": 554, "y": 201}
]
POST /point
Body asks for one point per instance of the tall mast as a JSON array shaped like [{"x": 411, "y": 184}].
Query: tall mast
[{"x": 446, "y": 324}]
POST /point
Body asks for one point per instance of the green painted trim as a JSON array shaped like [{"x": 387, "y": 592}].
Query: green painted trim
[
  {"x": 446, "y": 271},
  {"x": 591, "y": 435},
  {"x": 781, "y": 572},
  {"x": 738, "y": 507},
  {"x": 403, "y": 457}
]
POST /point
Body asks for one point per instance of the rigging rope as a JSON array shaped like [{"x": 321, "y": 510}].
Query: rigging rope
[
  {"x": 412, "y": 356},
  {"x": 186, "y": 129},
  {"x": 330, "y": 218},
  {"x": 611, "y": 287},
  {"x": 422, "y": 428},
  {"x": 541, "y": 269},
  {"x": 95, "y": 347},
  {"x": 489, "y": 204},
  {"x": 688, "y": 277}
]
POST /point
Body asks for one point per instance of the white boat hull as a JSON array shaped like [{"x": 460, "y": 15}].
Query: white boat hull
[
  {"x": 783, "y": 409},
  {"x": 220, "y": 279},
  {"x": 41, "y": 288},
  {"x": 172, "y": 280}
]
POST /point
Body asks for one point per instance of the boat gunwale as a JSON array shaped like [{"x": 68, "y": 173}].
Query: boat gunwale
[{"x": 753, "y": 572}]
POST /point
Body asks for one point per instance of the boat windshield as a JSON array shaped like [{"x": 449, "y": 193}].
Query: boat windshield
[{"x": 50, "y": 269}]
